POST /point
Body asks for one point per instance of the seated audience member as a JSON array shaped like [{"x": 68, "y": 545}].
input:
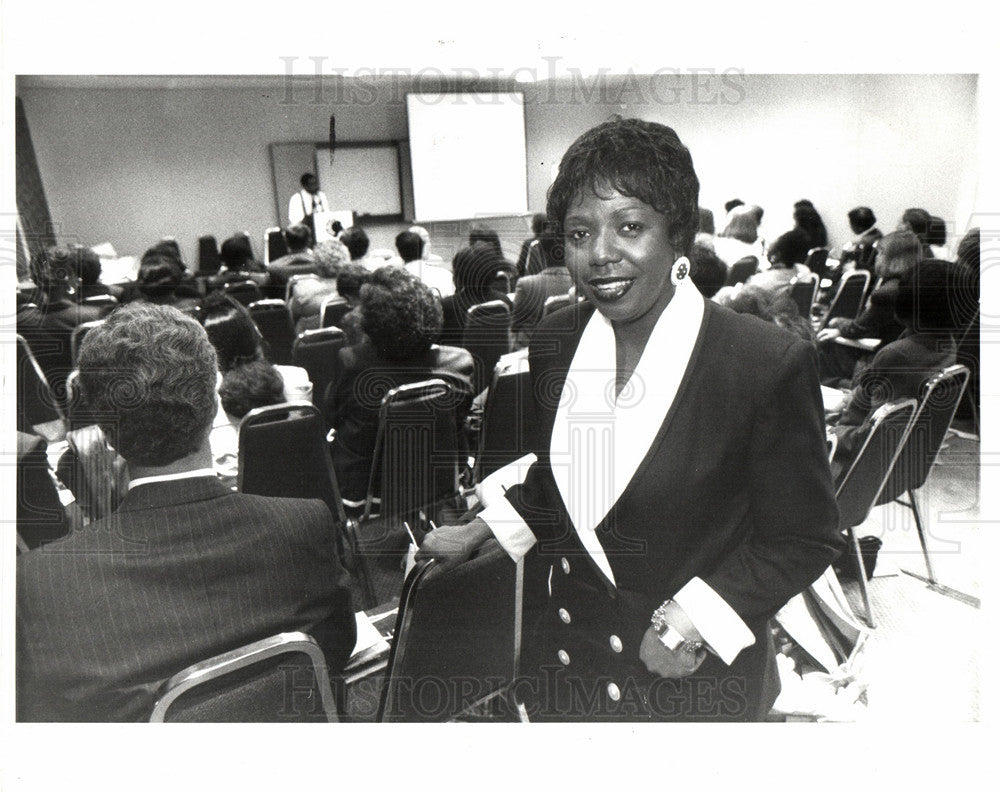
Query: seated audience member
[
  {"x": 401, "y": 319},
  {"x": 966, "y": 312},
  {"x": 162, "y": 281},
  {"x": 706, "y": 221},
  {"x": 778, "y": 278},
  {"x": 238, "y": 263},
  {"x": 809, "y": 232},
  {"x": 352, "y": 277},
  {"x": 860, "y": 250},
  {"x": 487, "y": 236},
  {"x": 537, "y": 226},
  {"x": 473, "y": 271},
  {"x": 411, "y": 246},
  {"x": 774, "y": 307},
  {"x": 184, "y": 569},
  {"x": 88, "y": 273},
  {"x": 297, "y": 261},
  {"x": 708, "y": 271},
  {"x": 924, "y": 307},
  {"x": 47, "y": 324},
  {"x": 739, "y": 238},
  {"x": 309, "y": 294},
  {"x": 422, "y": 232},
  {"x": 357, "y": 243},
  {"x": 248, "y": 380},
  {"x": 919, "y": 222},
  {"x": 533, "y": 290},
  {"x": 807, "y": 218},
  {"x": 41, "y": 517}
]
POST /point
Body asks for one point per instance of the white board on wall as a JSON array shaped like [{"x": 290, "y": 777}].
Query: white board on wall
[{"x": 468, "y": 154}]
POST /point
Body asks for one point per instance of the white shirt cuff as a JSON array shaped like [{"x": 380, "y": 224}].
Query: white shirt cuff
[
  {"x": 507, "y": 525},
  {"x": 718, "y": 623}
]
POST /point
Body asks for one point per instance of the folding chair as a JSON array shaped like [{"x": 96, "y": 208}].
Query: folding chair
[
  {"x": 816, "y": 260},
  {"x": 316, "y": 352},
  {"x": 849, "y": 298},
  {"x": 457, "y": 639},
  {"x": 77, "y": 336},
  {"x": 208, "y": 256},
  {"x": 245, "y": 291},
  {"x": 414, "y": 477},
  {"x": 333, "y": 310},
  {"x": 555, "y": 302},
  {"x": 860, "y": 485},
  {"x": 274, "y": 245},
  {"x": 487, "y": 336},
  {"x": 36, "y": 404},
  {"x": 296, "y": 279},
  {"x": 803, "y": 293},
  {"x": 939, "y": 400},
  {"x": 741, "y": 270},
  {"x": 282, "y": 679},
  {"x": 503, "y": 281},
  {"x": 276, "y": 328},
  {"x": 509, "y": 421}
]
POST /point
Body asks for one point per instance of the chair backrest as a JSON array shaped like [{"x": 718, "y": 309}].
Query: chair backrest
[
  {"x": 456, "y": 639},
  {"x": 245, "y": 291},
  {"x": 555, "y": 302},
  {"x": 803, "y": 293},
  {"x": 35, "y": 402},
  {"x": 295, "y": 279},
  {"x": 208, "y": 255},
  {"x": 816, "y": 260},
  {"x": 509, "y": 420},
  {"x": 417, "y": 449},
  {"x": 333, "y": 310},
  {"x": 940, "y": 396},
  {"x": 849, "y": 298},
  {"x": 283, "y": 453},
  {"x": 107, "y": 301},
  {"x": 503, "y": 281},
  {"x": 741, "y": 270},
  {"x": 276, "y": 327},
  {"x": 282, "y": 679},
  {"x": 864, "y": 477},
  {"x": 316, "y": 352},
  {"x": 274, "y": 244},
  {"x": 77, "y": 336},
  {"x": 487, "y": 336}
]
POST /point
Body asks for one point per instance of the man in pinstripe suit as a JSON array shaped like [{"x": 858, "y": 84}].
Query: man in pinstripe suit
[{"x": 185, "y": 569}]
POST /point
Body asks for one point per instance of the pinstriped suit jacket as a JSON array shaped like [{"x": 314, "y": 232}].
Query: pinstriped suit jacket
[{"x": 184, "y": 570}]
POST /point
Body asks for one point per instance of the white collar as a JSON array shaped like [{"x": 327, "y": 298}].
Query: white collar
[
  {"x": 598, "y": 441},
  {"x": 172, "y": 477}
]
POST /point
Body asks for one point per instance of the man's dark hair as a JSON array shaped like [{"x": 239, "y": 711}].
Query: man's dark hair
[
  {"x": 538, "y": 220},
  {"x": 640, "y": 159},
  {"x": 927, "y": 299},
  {"x": 861, "y": 219},
  {"x": 88, "y": 265},
  {"x": 918, "y": 220},
  {"x": 306, "y": 178},
  {"x": 149, "y": 373},
  {"x": 730, "y": 205},
  {"x": 298, "y": 237},
  {"x": 53, "y": 266},
  {"x": 400, "y": 315},
  {"x": 409, "y": 245},
  {"x": 357, "y": 242},
  {"x": 937, "y": 231},
  {"x": 236, "y": 252},
  {"x": 350, "y": 280}
]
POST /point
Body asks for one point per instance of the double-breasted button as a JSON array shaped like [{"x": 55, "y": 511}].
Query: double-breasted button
[
  {"x": 564, "y": 563},
  {"x": 613, "y": 692},
  {"x": 564, "y": 657},
  {"x": 616, "y": 644},
  {"x": 564, "y": 615}
]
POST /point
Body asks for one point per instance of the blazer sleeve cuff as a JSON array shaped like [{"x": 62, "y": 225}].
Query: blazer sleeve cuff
[
  {"x": 717, "y": 622},
  {"x": 499, "y": 514}
]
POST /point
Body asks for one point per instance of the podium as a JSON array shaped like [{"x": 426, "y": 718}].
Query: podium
[{"x": 325, "y": 220}]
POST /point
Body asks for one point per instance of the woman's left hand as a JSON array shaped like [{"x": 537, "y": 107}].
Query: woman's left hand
[{"x": 666, "y": 663}]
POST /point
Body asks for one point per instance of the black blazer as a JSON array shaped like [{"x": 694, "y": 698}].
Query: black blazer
[
  {"x": 183, "y": 571},
  {"x": 735, "y": 489}
]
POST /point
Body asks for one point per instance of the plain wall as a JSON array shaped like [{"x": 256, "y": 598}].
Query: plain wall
[{"x": 129, "y": 160}]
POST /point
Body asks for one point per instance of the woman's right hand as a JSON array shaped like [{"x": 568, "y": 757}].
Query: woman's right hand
[{"x": 450, "y": 545}]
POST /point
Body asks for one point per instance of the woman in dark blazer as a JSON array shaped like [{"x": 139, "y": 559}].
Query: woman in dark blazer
[{"x": 680, "y": 492}]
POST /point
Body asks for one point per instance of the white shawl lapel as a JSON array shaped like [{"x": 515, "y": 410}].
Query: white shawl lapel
[{"x": 598, "y": 442}]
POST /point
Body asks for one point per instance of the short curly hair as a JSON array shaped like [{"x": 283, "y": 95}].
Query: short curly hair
[
  {"x": 246, "y": 387},
  {"x": 330, "y": 256},
  {"x": 148, "y": 373},
  {"x": 640, "y": 159},
  {"x": 400, "y": 315}
]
